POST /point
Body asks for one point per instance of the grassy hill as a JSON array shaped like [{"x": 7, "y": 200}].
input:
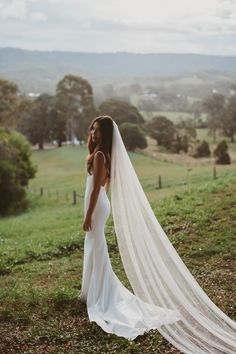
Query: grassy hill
[{"x": 42, "y": 251}]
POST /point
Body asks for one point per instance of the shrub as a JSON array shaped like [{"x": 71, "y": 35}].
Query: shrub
[
  {"x": 133, "y": 136},
  {"x": 162, "y": 130},
  {"x": 202, "y": 149},
  {"x": 15, "y": 171},
  {"x": 221, "y": 154}
]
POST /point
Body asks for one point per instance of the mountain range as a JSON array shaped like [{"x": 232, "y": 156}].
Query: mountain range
[{"x": 39, "y": 70}]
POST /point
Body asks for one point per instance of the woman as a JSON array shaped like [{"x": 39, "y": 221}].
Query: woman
[
  {"x": 167, "y": 296},
  {"x": 109, "y": 303}
]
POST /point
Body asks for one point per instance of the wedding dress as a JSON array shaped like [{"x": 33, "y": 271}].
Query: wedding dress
[
  {"x": 113, "y": 307},
  {"x": 166, "y": 295}
]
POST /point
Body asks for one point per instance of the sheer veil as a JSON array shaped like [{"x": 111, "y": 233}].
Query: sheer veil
[{"x": 156, "y": 272}]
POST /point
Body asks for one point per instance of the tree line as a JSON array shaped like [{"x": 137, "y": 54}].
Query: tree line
[
  {"x": 67, "y": 115},
  {"x": 60, "y": 117}
]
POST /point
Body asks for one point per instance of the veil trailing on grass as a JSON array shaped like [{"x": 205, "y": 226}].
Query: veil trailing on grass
[{"x": 156, "y": 272}]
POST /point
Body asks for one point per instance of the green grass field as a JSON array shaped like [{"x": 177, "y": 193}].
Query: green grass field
[{"x": 42, "y": 251}]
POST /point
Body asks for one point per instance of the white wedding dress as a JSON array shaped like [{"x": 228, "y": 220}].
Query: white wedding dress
[
  {"x": 112, "y": 306},
  {"x": 166, "y": 295}
]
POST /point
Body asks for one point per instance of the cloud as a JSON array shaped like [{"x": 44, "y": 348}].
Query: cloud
[
  {"x": 226, "y": 11},
  {"x": 123, "y": 26},
  {"x": 38, "y": 16},
  {"x": 205, "y": 26},
  {"x": 19, "y": 10},
  {"x": 15, "y": 10}
]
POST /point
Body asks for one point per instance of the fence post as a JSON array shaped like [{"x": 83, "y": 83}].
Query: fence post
[
  {"x": 41, "y": 191},
  {"x": 74, "y": 197},
  {"x": 159, "y": 182},
  {"x": 214, "y": 172}
]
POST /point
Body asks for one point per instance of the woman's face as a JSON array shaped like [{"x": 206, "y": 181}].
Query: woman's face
[{"x": 95, "y": 133}]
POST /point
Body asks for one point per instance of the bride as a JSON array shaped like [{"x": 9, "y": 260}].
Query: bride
[{"x": 166, "y": 296}]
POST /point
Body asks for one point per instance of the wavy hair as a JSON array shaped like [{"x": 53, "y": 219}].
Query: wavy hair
[{"x": 105, "y": 145}]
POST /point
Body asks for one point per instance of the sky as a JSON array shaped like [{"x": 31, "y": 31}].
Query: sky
[{"x": 138, "y": 26}]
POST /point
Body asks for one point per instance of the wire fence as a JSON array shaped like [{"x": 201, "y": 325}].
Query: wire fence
[
  {"x": 71, "y": 196},
  {"x": 75, "y": 195}
]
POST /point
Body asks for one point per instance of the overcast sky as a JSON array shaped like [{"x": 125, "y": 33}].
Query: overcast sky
[{"x": 141, "y": 26}]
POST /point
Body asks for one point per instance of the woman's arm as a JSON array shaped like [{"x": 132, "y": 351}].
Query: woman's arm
[{"x": 98, "y": 173}]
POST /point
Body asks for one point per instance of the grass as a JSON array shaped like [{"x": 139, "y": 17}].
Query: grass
[
  {"x": 42, "y": 253},
  {"x": 61, "y": 172}
]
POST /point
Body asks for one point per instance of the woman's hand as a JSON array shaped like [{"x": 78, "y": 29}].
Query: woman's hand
[{"x": 87, "y": 225}]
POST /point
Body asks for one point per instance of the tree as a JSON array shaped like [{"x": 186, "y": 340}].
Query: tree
[
  {"x": 197, "y": 109},
  {"x": 222, "y": 156},
  {"x": 229, "y": 127},
  {"x": 23, "y": 111},
  {"x": 36, "y": 126},
  {"x": 8, "y": 102},
  {"x": 184, "y": 136},
  {"x": 121, "y": 111},
  {"x": 201, "y": 149},
  {"x": 162, "y": 130},
  {"x": 15, "y": 171},
  {"x": 187, "y": 126},
  {"x": 75, "y": 104},
  {"x": 215, "y": 108},
  {"x": 133, "y": 136},
  {"x": 57, "y": 124},
  {"x": 179, "y": 143}
]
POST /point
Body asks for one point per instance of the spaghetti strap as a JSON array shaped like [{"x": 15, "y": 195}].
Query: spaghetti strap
[{"x": 103, "y": 156}]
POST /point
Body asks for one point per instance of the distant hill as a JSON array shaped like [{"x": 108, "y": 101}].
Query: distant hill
[{"x": 38, "y": 71}]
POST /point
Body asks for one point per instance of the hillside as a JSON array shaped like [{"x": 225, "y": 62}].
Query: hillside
[
  {"x": 117, "y": 64},
  {"x": 42, "y": 252},
  {"x": 39, "y": 71}
]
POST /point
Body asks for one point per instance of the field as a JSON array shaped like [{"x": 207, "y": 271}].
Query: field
[{"x": 42, "y": 250}]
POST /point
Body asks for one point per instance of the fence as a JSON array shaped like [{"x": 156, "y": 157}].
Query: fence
[
  {"x": 71, "y": 196},
  {"x": 74, "y": 196}
]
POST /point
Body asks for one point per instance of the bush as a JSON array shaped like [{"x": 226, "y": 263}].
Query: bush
[
  {"x": 162, "y": 130},
  {"x": 202, "y": 149},
  {"x": 222, "y": 156},
  {"x": 133, "y": 136},
  {"x": 15, "y": 171}
]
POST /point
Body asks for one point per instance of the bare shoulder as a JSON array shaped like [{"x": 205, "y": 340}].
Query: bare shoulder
[{"x": 99, "y": 156}]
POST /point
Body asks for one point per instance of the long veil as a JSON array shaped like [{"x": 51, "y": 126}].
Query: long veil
[{"x": 156, "y": 272}]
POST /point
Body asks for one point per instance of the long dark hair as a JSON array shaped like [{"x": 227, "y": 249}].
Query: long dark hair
[{"x": 105, "y": 145}]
